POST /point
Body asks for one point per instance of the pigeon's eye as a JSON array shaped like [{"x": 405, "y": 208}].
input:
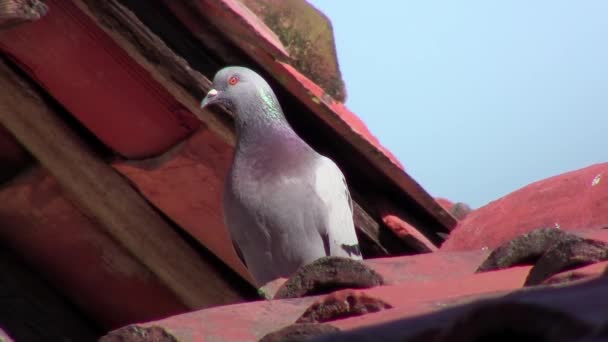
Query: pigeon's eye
[{"x": 233, "y": 80}]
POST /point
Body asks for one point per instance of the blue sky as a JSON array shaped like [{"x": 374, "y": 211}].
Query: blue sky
[{"x": 478, "y": 98}]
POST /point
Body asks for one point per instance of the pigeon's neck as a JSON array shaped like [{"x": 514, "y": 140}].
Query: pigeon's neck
[
  {"x": 267, "y": 145},
  {"x": 263, "y": 134},
  {"x": 262, "y": 122}
]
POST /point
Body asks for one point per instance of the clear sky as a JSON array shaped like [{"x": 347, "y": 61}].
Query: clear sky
[{"x": 478, "y": 98}]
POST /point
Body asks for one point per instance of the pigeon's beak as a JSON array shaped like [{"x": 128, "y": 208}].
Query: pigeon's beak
[{"x": 209, "y": 99}]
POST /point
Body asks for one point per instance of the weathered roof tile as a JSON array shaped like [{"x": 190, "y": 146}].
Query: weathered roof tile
[{"x": 573, "y": 200}]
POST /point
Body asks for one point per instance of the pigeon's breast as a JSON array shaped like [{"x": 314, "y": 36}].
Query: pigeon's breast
[
  {"x": 275, "y": 158},
  {"x": 273, "y": 209},
  {"x": 266, "y": 170}
]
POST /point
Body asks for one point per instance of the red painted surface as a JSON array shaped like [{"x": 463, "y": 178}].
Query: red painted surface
[
  {"x": 13, "y": 157},
  {"x": 600, "y": 234},
  {"x": 586, "y": 272},
  {"x": 240, "y": 322},
  {"x": 406, "y": 231},
  {"x": 251, "y": 321},
  {"x": 573, "y": 200},
  {"x": 86, "y": 265},
  {"x": 418, "y": 285},
  {"x": 445, "y": 266},
  {"x": 358, "y": 127},
  {"x": 436, "y": 290},
  {"x": 410, "y": 301},
  {"x": 413, "y": 299},
  {"x": 544, "y": 314},
  {"x": 187, "y": 184},
  {"x": 97, "y": 82},
  {"x": 238, "y": 22}
]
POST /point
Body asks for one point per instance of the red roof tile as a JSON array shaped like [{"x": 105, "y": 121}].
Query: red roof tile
[
  {"x": 13, "y": 157},
  {"x": 443, "y": 281},
  {"x": 562, "y": 313},
  {"x": 406, "y": 231},
  {"x": 107, "y": 283},
  {"x": 415, "y": 298},
  {"x": 128, "y": 110},
  {"x": 135, "y": 116},
  {"x": 573, "y": 200},
  {"x": 590, "y": 271},
  {"x": 251, "y": 321},
  {"x": 187, "y": 186},
  {"x": 235, "y": 19},
  {"x": 429, "y": 266},
  {"x": 97, "y": 81}
]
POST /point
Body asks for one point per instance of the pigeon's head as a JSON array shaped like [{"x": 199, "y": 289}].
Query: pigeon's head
[{"x": 237, "y": 88}]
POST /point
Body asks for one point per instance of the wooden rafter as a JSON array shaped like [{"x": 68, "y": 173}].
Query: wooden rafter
[{"x": 102, "y": 194}]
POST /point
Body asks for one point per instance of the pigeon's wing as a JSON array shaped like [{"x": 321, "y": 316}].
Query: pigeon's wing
[
  {"x": 330, "y": 187},
  {"x": 251, "y": 241},
  {"x": 283, "y": 221},
  {"x": 238, "y": 251}
]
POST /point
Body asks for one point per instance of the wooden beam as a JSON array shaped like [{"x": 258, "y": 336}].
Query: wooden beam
[
  {"x": 32, "y": 311},
  {"x": 13, "y": 157},
  {"x": 15, "y": 12},
  {"x": 186, "y": 84},
  {"x": 106, "y": 197},
  {"x": 35, "y": 210},
  {"x": 376, "y": 239},
  {"x": 368, "y": 231}
]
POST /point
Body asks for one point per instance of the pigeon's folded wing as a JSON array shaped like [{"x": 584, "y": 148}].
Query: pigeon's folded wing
[{"x": 331, "y": 188}]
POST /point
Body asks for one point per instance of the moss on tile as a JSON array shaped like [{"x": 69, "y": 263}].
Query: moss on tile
[{"x": 308, "y": 35}]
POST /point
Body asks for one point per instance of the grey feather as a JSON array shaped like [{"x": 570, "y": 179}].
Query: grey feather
[{"x": 284, "y": 204}]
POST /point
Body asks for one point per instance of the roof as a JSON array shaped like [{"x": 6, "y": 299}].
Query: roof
[
  {"x": 155, "y": 107},
  {"x": 118, "y": 131},
  {"x": 450, "y": 294},
  {"x": 113, "y": 175},
  {"x": 573, "y": 200}
]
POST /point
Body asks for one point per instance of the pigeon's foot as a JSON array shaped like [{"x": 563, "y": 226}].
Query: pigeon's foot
[{"x": 268, "y": 290}]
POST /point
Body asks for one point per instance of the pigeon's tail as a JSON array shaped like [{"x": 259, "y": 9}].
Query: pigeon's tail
[{"x": 353, "y": 251}]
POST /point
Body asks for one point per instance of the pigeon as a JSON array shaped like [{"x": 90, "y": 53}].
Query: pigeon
[{"x": 285, "y": 205}]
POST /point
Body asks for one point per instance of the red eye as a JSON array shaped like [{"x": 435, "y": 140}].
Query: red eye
[{"x": 233, "y": 80}]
